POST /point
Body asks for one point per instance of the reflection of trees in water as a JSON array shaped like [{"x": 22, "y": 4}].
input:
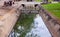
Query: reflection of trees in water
[
  {"x": 32, "y": 35},
  {"x": 24, "y": 21}
]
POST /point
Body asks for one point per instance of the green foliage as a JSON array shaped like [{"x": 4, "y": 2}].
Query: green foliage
[
  {"x": 25, "y": 20},
  {"x": 42, "y": 0},
  {"x": 50, "y": 0},
  {"x": 38, "y": 0},
  {"x": 53, "y": 8}
]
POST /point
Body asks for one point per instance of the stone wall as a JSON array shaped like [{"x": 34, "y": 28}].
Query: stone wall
[{"x": 52, "y": 24}]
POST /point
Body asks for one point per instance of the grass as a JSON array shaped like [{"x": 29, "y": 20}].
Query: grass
[
  {"x": 42, "y": 0},
  {"x": 38, "y": 0},
  {"x": 53, "y": 8}
]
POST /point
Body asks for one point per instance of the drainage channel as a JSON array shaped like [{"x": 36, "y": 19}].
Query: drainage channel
[{"x": 30, "y": 25}]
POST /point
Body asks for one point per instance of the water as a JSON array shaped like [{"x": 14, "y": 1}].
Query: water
[
  {"x": 39, "y": 29},
  {"x": 31, "y": 25}
]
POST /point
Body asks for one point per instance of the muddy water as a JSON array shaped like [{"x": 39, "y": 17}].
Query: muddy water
[{"x": 30, "y": 25}]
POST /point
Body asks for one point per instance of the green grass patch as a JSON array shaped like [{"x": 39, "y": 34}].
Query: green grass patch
[
  {"x": 38, "y": 0},
  {"x": 42, "y": 0},
  {"x": 53, "y": 8}
]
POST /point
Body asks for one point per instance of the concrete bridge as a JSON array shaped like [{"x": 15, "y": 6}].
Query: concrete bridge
[{"x": 9, "y": 16}]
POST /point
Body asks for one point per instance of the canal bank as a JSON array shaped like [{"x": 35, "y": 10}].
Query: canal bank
[{"x": 52, "y": 24}]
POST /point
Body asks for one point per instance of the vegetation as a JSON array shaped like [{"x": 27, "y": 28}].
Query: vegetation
[
  {"x": 42, "y": 0},
  {"x": 53, "y": 8},
  {"x": 25, "y": 20},
  {"x": 38, "y": 0}
]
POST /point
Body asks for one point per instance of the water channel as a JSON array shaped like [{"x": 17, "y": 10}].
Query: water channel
[{"x": 30, "y": 25}]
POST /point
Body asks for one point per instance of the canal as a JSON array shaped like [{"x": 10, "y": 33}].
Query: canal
[{"x": 30, "y": 25}]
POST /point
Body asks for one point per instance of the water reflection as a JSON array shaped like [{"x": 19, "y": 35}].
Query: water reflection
[
  {"x": 39, "y": 29},
  {"x": 31, "y": 26},
  {"x": 23, "y": 25}
]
